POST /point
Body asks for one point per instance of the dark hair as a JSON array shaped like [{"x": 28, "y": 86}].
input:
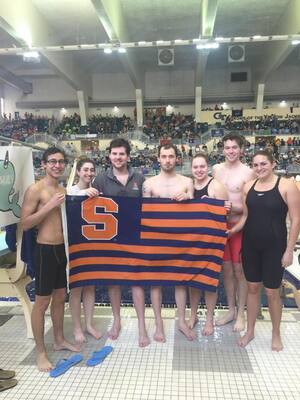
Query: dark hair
[
  {"x": 52, "y": 150},
  {"x": 267, "y": 153},
  {"x": 83, "y": 161},
  {"x": 201, "y": 155},
  {"x": 120, "y": 142},
  {"x": 236, "y": 137},
  {"x": 167, "y": 147}
]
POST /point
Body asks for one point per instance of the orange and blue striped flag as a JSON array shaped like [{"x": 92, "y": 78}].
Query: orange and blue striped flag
[{"x": 145, "y": 241}]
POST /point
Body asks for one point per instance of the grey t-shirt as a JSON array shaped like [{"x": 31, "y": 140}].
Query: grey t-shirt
[{"x": 109, "y": 185}]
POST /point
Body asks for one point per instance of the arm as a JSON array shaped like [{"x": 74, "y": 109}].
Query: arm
[
  {"x": 240, "y": 224},
  {"x": 293, "y": 203},
  {"x": 30, "y": 217},
  {"x": 186, "y": 194},
  {"x": 220, "y": 192},
  {"x": 147, "y": 192}
]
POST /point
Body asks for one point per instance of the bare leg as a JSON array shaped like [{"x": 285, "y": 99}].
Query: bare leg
[
  {"x": 275, "y": 309},
  {"x": 253, "y": 302},
  {"x": 115, "y": 300},
  {"x": 210, "y": 300},
  {"x": 156, "y": 299},
  {"x": 180, "y": 297},
  {"x": 57, "y": 316},
  {"x": 194, "y": 301},
  {"x": 138, "y": 296},
  {"x": 75, "y": 307},
  {"x": 88, "y": 299},
  {"x": 230, "y": 293},
  {"x": 38, "y": 328},
  {"x": 241, "y": 297}
]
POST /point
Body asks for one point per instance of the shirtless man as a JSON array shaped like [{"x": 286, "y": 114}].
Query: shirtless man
[
  {"x": 41, "y": 208},
  {"x": 168, "y": 184},
  {"x": 234, "y": 174}
]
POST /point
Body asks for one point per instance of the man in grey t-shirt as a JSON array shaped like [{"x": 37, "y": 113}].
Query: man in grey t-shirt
[{"x": 121, "y": 180}]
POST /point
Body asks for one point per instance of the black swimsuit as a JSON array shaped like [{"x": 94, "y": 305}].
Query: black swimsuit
[
  {"x": 264, "y": 236},
  {"x": 198, "y": 193}
]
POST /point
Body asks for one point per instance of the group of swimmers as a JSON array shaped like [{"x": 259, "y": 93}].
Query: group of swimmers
[{"x": 256, "y": 201}]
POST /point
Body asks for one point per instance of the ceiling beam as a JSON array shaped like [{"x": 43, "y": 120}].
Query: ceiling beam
[
  {"x": 277, "y": 52},
  {"x": 15, "y": 81},
  {"x": 28, "y": 27},
  {"x": 208, "y": 17},
  {"x": 110, "y": 14}
]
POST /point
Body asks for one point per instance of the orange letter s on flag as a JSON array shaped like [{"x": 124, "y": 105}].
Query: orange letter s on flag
[{"x": 91, "y": 216}]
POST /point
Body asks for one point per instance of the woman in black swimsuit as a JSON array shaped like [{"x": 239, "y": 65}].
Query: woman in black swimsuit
[
  {"x": 266, "y": 249},
  {"x": 204, "y": 185}
]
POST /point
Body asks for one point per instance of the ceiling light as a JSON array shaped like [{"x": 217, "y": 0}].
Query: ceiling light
[
  {"x": 177, "y": 40},
  {"x": 207, "y": 46},
  {"x": 295, "y": 42},
  {"x": 122, "y": 50},
  {"x": 31, "y": 54},
  {"x": 107, "y": 50}
]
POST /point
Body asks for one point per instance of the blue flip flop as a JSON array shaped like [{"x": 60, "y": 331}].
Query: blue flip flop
[
  {"x": 63, "y": 365},
  {"x": 99, "y": 356}
]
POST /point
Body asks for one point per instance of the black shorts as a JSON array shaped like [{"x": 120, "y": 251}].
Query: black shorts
[
  {"x": 263, "y": 264},
  {"x": 50, "y": 263}
]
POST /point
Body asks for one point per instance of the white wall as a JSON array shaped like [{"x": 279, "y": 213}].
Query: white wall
[
  {"x": 169, "y": 84},
  {"x": 112, "y": 87},
  {"x": 284, "y": 80}
]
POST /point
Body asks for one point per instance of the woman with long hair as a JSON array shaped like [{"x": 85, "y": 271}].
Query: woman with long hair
[
  {"x": 85, "y": 170},
  {"x": 267, "y": 248}
]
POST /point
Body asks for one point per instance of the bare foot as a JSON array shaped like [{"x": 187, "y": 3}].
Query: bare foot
[
  {"x": 79, "y": 336},
  {"x": 208, "y": 328},
  {"x": 244, "y": 340},
  {"x": 188, "y": 333},
  {"x": 159, "y": 334},
  {"x": 64, "y": 345},
  {"x": 192, "y": 322},
  {"x": 113, "y": 333},
  {"x": 276, "y": 343},
  {"x": 93, "y": 332},
  {"x": 228, "y": 317},
  {"x": 239, "y": 325},
  {"x": 144, "y": 340},
  {"x": 43, "y": 363}
]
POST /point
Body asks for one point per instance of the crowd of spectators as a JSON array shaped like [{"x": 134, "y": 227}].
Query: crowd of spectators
[
  {"x": 175, "y": 126},
  {"x": 272, "y": 122},
  {"x": 18, "y": 128},
  {"x": 97, "y": 124}
]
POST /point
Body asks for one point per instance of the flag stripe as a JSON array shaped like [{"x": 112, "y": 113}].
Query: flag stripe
[
  {"x": 180, "y": 207},
  {"x": 142, "y": 276},
  {"x": 184, "y": 237},
  {"x": 138, "y": 262},
  {"x": 86, "y": 247}
]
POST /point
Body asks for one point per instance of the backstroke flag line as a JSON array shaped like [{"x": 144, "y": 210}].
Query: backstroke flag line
[{"x": 145, "y": 241}]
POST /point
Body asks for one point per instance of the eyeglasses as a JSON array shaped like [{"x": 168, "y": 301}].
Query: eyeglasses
[{"x": 53, "y": 162}]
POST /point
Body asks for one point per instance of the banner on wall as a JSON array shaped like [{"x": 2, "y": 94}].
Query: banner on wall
[{"x": 16, "y": 174}]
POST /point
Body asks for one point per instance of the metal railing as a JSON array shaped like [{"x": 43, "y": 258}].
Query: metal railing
[{"x": 42, "y": 138}]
